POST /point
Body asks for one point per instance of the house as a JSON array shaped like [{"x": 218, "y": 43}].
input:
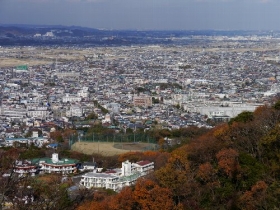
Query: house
[
  {"x": 37, "y": 141},
  {"x": 9, "y": 142},
  {"x": 118, "y": 178}
]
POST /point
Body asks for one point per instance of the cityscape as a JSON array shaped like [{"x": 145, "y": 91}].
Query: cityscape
[
  {"x": 107, "y": 110},
  {"x": 175, "y": 86}
]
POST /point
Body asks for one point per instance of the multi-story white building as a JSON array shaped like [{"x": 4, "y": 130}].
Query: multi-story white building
[
  {"x": 56, "y": 165},
  {"x": 45, "y": 165},
  {"x": 74, "y": 110},
  {"x": 38, "y": 112},
  {"x": 71, "y": 98},
  {"x": 118, "y": 178},
  {"x": 13, "y": 112}
]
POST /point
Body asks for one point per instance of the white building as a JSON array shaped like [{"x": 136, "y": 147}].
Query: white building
[
  {"x": 38, "y": 112},
  {"x": 13, "y": 112},
  {"x": 56, "y": 165},
  {"x": 231, "y": 111},
  {"x": 107, "y": 119},
  {"x": 23, "y": 168},
  {"x": 71, "y": 98},
  {"x": 37, "y": 141},
  {"x": 118, "y": 178},
  {"x": 74, "y": 111},
  {"x": 83, "y": 93}
]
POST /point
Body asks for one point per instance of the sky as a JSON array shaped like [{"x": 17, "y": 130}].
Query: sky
[{"x": 145, "y": 14}]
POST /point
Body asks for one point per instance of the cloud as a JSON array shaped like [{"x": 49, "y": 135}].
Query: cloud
[{"x": 39, "y": 1}]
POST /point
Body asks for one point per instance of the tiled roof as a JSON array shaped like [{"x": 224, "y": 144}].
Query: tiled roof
[{"x": 143, "y": 162}]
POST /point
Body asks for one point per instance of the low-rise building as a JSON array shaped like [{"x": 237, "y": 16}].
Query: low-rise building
[
  {"x": 23, "y": 168},
  {"x": 56, "y": 165},
  {"x": 118, "y": 178},
  {"x": 142, "y": 100}
]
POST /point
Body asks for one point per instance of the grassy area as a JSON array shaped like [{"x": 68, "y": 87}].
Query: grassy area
[{"x": 110, "y": 148}]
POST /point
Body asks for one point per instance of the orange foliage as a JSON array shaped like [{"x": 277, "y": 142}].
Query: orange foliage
[
  {"x": 150, "y": 154},
  {"x": 161, "y": 160},
  {"x": 251, "y": 199},
  {"x": 12, "y": 153},
  {"x": 56, "y": 135},
  {"x": 227, "y": 161},
  {"x": 124, "y": 200},
  {"x": 205, "y": 171},
  {"x": 205, "y": 147},
  {"x": 259, "y": 188},
  {"x": 68, "y": 132},
  {"x": 149, "y": 195},
  {"x": 132, "y": 156},
  {"x": 93, "y": 205},
  {"x": 221, "y": 131}
]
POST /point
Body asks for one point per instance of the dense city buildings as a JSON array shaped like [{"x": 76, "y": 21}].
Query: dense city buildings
[
  {"x": 173, "y": 86},
  {"x": 139, "y": 108}
]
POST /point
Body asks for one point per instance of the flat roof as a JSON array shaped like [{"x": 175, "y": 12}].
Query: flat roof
[
  {"x": 64, "y": 161},
  {"x": 99, "y": 175}
]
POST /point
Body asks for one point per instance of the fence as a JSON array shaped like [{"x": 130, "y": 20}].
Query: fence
[{"x": 121, "y": 138}]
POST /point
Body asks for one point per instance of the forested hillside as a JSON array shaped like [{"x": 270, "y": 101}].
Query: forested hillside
[{"x": 233, "y": 166}]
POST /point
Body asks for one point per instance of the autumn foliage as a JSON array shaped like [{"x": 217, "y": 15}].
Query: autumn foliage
[
  {"x": 145, "y": 196},
  {"x": 232, "y": 166}
]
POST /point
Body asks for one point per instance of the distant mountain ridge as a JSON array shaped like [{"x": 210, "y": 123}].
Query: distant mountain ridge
[
  {"x": 29, "y": 29},
  {"x": 59, "y": 35},
  {"x": 17, "y": 29}
]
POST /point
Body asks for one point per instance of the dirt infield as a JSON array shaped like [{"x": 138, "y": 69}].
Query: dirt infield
[{"x": 110, "y": 148}]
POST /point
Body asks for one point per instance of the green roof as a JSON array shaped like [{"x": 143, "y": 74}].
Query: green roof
[
  {"x": 131, "y": 177},
  {"x": 22, "y": 67},
  {"x": 63, "y": 161},
  {"x": 149, "y": 122}
]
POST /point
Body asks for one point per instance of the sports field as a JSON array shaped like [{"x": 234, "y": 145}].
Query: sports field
[{"x": 110, "y": 148}]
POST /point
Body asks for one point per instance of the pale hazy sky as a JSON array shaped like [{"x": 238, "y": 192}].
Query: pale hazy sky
[{"x": 145, "y": 14}]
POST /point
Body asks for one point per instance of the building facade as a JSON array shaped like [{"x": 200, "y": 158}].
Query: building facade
[
  {"x": 142, "y": 100},
  {"x": 118, "y": 178},
  {"x": 56, "y": 165}
]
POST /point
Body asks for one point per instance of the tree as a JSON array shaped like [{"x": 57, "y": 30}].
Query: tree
[
  {"x": 175, "y": 175},
  {"x": 254, "y": 199},
  {"x": 123, "y": 200},
  {"x": 228, "y": 162},
  {"x": 244, "y": 117},
  {"x": 149, "y": 195},
  {"x": 57, "y": 136},
  {"x": 205, "y": 172},
  {"x": 9, "y": 181}
]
